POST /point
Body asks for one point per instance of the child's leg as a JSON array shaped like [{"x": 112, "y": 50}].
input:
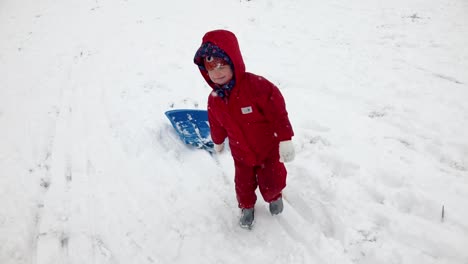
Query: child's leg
[
  {"x": 272, "y": 179},
  {"x": 246, "y": 182}
]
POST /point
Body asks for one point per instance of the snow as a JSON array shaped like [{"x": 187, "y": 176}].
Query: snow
[{"x": 91, "y": 170}]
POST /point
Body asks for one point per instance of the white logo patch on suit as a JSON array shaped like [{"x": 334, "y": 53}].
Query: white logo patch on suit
[{"x": 246, "y": 110}]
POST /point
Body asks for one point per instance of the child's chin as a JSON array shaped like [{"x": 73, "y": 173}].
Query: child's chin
[{"x": 224, "y": 81}]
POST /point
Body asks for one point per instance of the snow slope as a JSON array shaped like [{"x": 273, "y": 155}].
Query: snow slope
[{"x": 92, "y": 172}]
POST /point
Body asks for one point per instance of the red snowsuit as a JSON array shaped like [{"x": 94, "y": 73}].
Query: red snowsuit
[{"x": 255, "y": 120}]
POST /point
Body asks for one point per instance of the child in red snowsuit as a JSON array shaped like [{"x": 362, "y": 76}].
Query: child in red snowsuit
[{"x": 250, "y": 111}]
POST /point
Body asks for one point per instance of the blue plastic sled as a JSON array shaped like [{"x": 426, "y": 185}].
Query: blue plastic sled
[{"x": 192, "y": 127}]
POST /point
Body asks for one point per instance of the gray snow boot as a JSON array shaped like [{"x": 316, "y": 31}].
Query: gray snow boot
[
  {"x": 276, "y": 207},
  {"x": 247, "y": 218}
]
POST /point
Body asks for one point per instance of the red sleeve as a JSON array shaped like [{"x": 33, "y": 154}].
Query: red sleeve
[
  {"x": 271, "y": 102},
  {"x": 218, "y": 132}
]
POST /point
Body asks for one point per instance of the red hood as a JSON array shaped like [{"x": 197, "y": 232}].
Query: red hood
[{"x": 226, "y": 41}]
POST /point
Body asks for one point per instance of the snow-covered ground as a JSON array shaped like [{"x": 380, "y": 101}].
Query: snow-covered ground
[{"x": 92, "y": 172}]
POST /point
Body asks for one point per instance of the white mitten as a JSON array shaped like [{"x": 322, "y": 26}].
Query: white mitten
[
  {"x": 219, "y": 148},
  {"x": 286, "y": 151}
]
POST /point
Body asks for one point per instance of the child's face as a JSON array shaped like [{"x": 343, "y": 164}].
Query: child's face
[{"x": 221, "y": 74}]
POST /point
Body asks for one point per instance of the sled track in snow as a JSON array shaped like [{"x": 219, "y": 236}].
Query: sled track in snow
[
  {"x": 306, "y": 212},
  {"x": 300, "y": 230},
  {"x": 43, "y": 168}
]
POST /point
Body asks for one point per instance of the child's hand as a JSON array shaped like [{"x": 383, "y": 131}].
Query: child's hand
[
  {"x": 219, "y": 148},
  {"x": 286, "y": 151}
]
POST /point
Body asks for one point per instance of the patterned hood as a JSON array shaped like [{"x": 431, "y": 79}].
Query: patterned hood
[{"x": 223, "y": 44}]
